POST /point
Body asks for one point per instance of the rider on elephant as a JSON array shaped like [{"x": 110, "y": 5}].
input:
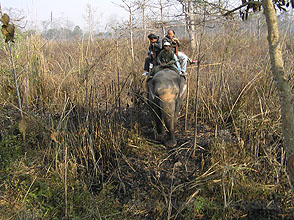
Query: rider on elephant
[
  {"x": 170, "y": 37},
  {"x": 154, "y": 49},
  {"x": 165, "y": 59}
]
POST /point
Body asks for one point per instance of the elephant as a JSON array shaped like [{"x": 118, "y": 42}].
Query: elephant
[{"x": 166, "y": 93}]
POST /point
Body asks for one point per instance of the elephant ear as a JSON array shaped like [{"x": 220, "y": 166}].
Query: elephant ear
[
  {"x": 183, "y": 85},
  {"x": 183, "y": 89}
]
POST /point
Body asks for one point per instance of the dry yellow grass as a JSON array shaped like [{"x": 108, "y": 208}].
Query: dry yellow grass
[{"x": 83, "y": 158}]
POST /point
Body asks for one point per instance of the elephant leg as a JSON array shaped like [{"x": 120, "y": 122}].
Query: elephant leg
[
  {"x": 158, "y": 120},
  {"x": 159, "y": 125},
  {"x": 171, "y": 140}
]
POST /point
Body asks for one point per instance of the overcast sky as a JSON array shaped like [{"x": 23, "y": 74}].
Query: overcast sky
[{"x": 73, "y": 10}]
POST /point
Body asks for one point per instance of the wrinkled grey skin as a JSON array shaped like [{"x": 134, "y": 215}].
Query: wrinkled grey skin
[{"x": 166, "y": 93}]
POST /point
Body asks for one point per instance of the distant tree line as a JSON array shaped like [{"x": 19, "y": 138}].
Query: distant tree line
[
  {"x": 66, "y": 34},
  {"x": 63, "y": 33}
]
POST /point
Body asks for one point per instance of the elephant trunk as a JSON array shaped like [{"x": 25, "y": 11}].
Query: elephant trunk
[{"x": 168, "y": 106}]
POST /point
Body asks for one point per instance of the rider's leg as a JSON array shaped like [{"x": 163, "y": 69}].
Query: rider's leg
[
  {"x": 178, "y": 63},
  {"x": 184, "y": 59},
  {"x": 147, "y": 63}
]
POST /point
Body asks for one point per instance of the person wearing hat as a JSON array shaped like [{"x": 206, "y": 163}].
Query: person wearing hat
[
  {"x": 153, "y": 51},
  {"x": 165, "y": 59},
  {"x": 170, "y": 37}
]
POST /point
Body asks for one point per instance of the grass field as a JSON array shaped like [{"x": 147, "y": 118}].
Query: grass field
[{"x": 85, "y": 148}]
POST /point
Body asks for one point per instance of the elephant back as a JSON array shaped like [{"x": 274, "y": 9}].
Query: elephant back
[{"x": 166, "y": 75}]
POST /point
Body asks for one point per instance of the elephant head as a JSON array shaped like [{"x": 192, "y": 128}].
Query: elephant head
[{"x": 166, "y": 92}]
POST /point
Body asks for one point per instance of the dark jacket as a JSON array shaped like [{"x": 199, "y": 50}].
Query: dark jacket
[
  {"x": 155, "y": 48},
  {"x": 173, "y": 43},
  {"x": 166, "y": 59}
]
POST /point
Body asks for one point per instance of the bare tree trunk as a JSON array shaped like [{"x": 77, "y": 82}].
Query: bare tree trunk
[
  {"x": 132, "y": 41},
  {"x": 133, "y": 57},
  {"x": 188, "y": 9},
  {"x": 197, "y": 79},
  {"x": 118, "y": 73},
  {"x": 130, "y": 9},
  {"x": 90, "y": 21},
  {"x": 258, "y": 28},
  {"x": 144, "y": 20},
  {"x": 27, "y": 72},
  {"x": 15, "y": 81},
  {"x": 280, "y": 78},
  {"x": 191, "y": 27},
  {"x": 187, "y": 104},
  {"x": 161, "y": 18}
]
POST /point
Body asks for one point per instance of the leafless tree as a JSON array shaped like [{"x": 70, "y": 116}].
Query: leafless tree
[
  {"x": 131, "y": 7},
  {"x": 286, "y": 96},
  {"x": 160, "y": 14},
  {"x": 89, "y": 17},
  {"x": 142, "y": 6},
  {"x": 188, "y": 10},
  {"x": 279, "y": 74}
]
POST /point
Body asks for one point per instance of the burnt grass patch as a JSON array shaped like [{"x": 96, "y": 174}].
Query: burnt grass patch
[
  {"x": 135, "y": 177},
  {"x": 149, "y": 181}
]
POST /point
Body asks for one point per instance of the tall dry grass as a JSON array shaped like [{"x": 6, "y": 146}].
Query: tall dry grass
[{"x": 83, "y": 157}]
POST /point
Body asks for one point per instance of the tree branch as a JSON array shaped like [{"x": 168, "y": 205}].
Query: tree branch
[{"x": 243, "y": 5}]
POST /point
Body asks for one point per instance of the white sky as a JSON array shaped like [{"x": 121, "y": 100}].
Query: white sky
[{"x": 73, "y": 10}]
